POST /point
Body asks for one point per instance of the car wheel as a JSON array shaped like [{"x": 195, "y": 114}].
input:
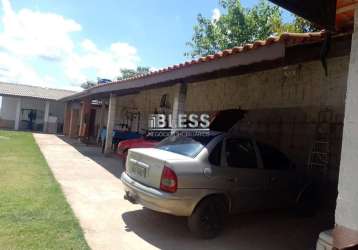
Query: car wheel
[{"x": 207, "y": 220}]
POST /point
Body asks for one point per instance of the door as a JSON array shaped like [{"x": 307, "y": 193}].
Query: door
[
  {"x": 282, "y": 178},
  {"x": 240, "y": 174},
  {"x": 248, "y": 179}
]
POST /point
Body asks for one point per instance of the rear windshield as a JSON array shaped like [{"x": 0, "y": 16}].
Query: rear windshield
[{"x": 188, "y": 146}]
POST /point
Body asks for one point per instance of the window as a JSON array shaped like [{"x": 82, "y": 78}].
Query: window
[
  {"x": 215, "y": 156},
  {"x": 240, "y": 153},
  {"x": 273, "y": 158},
  {"x": 188, "y": 146}
]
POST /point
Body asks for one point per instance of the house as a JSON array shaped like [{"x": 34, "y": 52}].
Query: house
[
  {"x": 25, "y": 107},
  {"x": 291, "y": 100}
]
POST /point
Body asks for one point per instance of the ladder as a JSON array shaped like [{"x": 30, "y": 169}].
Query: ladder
[{"x": 319, "y": 157}]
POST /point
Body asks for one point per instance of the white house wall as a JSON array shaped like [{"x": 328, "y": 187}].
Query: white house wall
[{"x": 8, "y": 110}]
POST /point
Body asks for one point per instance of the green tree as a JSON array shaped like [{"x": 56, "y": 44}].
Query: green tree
[
  {"x": 127, "y": 73},
  {"x": 238, "y": 25}
]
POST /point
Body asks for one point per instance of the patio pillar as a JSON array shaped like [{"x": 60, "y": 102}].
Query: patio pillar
[
  {"x": 346, "y": 231},
  {"x": 71, "y": 123},
  {"x": 17, "y": 114},
  {"x": 103, "y": 111},
  {"x": 46, "y": 115},
  {"x": 110, "y": 123},
  {"x": 82, "y": 112},
  {"x": 101, "y": 118},
  {"x": 66, "y": 119},
  {"x": 347, "y": 201},
  {"x": 84, "y": 118},
  {"x": 179, "y": 104}
]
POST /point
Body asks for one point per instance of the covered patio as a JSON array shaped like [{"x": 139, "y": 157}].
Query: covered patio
[{"x": 293, "y": 102}]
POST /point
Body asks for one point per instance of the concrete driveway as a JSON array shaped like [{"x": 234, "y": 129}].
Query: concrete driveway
[{"x": 91, "y": 185}]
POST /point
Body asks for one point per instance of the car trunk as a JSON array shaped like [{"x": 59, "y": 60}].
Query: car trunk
[
  {"x": 224, "y": 120},
  {"x": 145, "y": 165}
]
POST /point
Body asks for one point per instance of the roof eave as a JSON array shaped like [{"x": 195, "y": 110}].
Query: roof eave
[
  {"x": 30, "y": 97},
  {"x": 266, "y": 53}
]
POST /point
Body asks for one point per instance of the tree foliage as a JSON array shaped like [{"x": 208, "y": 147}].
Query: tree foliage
[
  {"x": 127, "y": 73},
  {"x": 238, "y": 25},
  {"x": 88, "y": 84}
]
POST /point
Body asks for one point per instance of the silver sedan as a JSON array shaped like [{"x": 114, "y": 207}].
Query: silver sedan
[{"x": 207, "y": 177}]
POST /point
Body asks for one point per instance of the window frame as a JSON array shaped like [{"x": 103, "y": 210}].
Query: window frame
[
  {"x": 257, "y": 152},
  {"x": 220, "y": 153},
  {"x": 290, "y": 166}
]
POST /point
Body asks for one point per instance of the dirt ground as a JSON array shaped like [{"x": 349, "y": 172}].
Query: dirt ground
[{"x": 91, "y": 184}]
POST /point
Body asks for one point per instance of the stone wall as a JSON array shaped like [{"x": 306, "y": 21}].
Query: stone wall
[
  {"x": 145, "y": 102},
  {"x": 284, "y": 105},
  {"x": 301, "y": 85}
]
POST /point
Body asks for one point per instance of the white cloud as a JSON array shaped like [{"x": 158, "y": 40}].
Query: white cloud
[
  {"x": 104, "y": 63},
  {"x": 33, "y": 33},
  {"x": 28, "y": 35},
  {"x": 216, "y": 14},
  {"x": 15, "y": 69}
]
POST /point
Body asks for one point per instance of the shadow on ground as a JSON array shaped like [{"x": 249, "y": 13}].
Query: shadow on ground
[
  {"x": 269, "y": 230},
  {"x": 110, "y": 163}
]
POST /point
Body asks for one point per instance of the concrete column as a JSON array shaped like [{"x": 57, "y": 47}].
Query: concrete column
[
  {"x": 179, "y": 104},
  {"x": 110, "y": 123},
  {"x": 347, "y": 201},
  {"x": 101, "y": 118},
  {"x": 17, "y": 114},
  {"x": 66, "y": 119},
  {"x": 46, "y": 115},
  {"x": 103, "y": 111}
]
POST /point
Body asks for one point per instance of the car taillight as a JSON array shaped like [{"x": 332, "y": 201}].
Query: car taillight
[{"x": 169, "y": 180}]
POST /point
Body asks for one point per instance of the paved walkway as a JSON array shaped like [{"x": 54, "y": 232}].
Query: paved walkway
[
  {"x": 91, "y": 185},
  {"x": 95, "y": 195}
]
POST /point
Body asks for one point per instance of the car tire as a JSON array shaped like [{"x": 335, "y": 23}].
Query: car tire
[{"x": 207, "y": 220}]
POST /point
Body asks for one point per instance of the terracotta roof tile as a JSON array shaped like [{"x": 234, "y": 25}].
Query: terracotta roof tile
[{"x": 289, "y": 39}]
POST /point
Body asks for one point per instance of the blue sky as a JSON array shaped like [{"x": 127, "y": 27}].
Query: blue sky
[{"x": 63, "y": 43}]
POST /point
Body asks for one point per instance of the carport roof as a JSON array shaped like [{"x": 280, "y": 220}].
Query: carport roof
[
  {"x": 262, "y": 50},
  {"x": 21, "y": 90}
]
